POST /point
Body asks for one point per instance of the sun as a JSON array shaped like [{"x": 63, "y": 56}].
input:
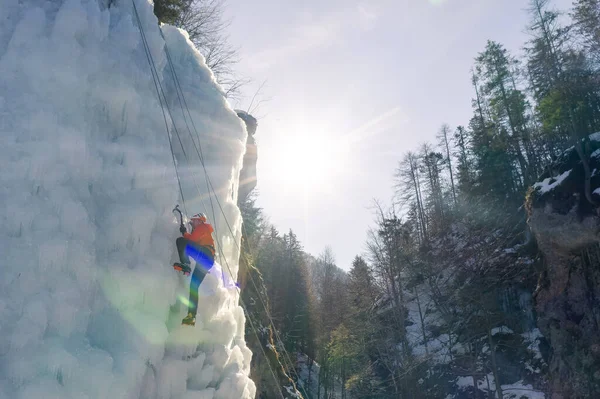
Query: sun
[{"x": 309, "y": 162}]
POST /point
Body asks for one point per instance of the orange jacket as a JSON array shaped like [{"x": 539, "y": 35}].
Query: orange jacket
[{"x": 202, "y": 235}]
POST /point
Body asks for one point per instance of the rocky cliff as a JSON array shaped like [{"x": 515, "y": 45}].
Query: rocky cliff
[
  {"x": 566, "y": 226},
  {"x": 248, "y": 172}
]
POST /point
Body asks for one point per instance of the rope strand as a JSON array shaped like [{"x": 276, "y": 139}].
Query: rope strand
[
  {"x": 210, "y": 187},
  {"x": 156, "y": 84},
  {"x": 160, "y": 90}
]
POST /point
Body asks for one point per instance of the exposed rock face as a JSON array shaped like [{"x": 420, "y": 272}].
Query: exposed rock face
[
  {"x": 567, "y": 298},
  {"x": 248, "y": 172},
  {"x": 247, "y": 184}
]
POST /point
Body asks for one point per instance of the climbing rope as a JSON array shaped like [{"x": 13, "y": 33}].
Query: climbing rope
[
  {"x": 198, "y": 148},
  {"x": 157, "y": 83},
  {"x": 160, "y": 90}
]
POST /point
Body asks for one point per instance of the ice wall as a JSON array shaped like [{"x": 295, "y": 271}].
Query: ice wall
[{"x": 89, "y": 305}]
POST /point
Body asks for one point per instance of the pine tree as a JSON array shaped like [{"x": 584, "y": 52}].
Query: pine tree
[
  {"x": 444, "y": 256},
  {"x": 586, "y": 19},
  {"x": 507, "y": 105},
  {"x": 493, "y": 164},
  {"x": 408, "y": 191},
  {"x": 296, "y": 318},
  {"x": 463, "y": 155},
  {"x": 445, "y": 138},
  {"x": 271, "y": 370},
  {"x": 431, "y": 166},
  {"x": 169, "y": 11},
  {"x": 563, "y": 85}
]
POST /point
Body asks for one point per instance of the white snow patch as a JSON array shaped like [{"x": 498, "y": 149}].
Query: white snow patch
[
  {"x": 595, "y": 136},
  {"x": 439, "y": 349},
  {"x": 532, "y": 339},
  {"x": 292, "y": 392},
  {"x": 308, "y": 378},
  {"x": 464, "y": 382},
  {"x": 550, "y": 183},
  {"x": 519, "y": 390},
  {"x": 502, "y": 330}
]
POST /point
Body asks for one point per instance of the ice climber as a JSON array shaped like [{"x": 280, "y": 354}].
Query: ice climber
[{"x": 200, "y": 245}]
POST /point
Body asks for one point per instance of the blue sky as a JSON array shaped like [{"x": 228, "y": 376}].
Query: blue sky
[{"x": 352, "y": 85}]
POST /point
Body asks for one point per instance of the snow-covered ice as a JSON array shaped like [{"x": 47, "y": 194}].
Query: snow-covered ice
[{"x": 89, "y": 305}]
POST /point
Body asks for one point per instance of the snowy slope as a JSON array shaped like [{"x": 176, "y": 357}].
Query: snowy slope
[{"x": 89, "y": 305}]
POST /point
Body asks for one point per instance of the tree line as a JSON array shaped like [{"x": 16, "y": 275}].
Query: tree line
[{"x": 441, "y": 301}]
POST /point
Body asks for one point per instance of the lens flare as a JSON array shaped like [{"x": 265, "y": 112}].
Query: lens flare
[
  {"x": 125, "y": 291},
  {"x": 184, "y": 300}
]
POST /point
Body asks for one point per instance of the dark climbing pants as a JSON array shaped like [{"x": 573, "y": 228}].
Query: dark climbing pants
[{"x": 204, "y": 262}]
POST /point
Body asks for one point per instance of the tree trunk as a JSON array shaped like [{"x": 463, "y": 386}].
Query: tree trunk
[
  {"x": 555, "y": 65},
  {"x": 587, "y": 172},
  {"x": 432, "y": 183},
  {"x": 398, "y": 310},
  {"x": 422, "y": 323},
  {"x": 319, "y": 382},
  {"x": 476, "y": 389},
  {"x": 494, "y": 365},
  {"x": 310, "y": 366},
  {"x": 464, "y": 159},
  {"x": 445, "y": 133},
  {"x": 514, "y": 131},
  {"x": 415, "y": 178},
  {"x": 479, "y": 108},
  {"x": 343, "y": 373}
]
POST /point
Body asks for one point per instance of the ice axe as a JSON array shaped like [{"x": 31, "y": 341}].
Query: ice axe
[{"x": 181, "y": 225}]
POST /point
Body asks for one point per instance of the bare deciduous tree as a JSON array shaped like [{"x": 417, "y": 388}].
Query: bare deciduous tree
[{"x": 205, "y": 22}]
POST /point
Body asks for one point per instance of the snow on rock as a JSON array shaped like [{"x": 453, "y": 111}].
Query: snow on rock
[
  {"x": 595, "y": 136},
  {"x": 550, "y": 183},
  {"x": 292, "y": 392},
  {"x": 565, "y": 227},
  {"x": 532, "y": 339},
  {"x": 464, "y": 382},
  {"x": 89, "y": 305},
  {"x": 518, "y": 390},
  {"x": 502, "y": 330}
]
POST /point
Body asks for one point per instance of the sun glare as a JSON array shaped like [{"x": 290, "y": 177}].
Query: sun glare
[{"x": 307, "y": 162}]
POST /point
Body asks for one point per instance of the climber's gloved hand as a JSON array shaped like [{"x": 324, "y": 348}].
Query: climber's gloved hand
[{"x": 182, "y": 230}]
